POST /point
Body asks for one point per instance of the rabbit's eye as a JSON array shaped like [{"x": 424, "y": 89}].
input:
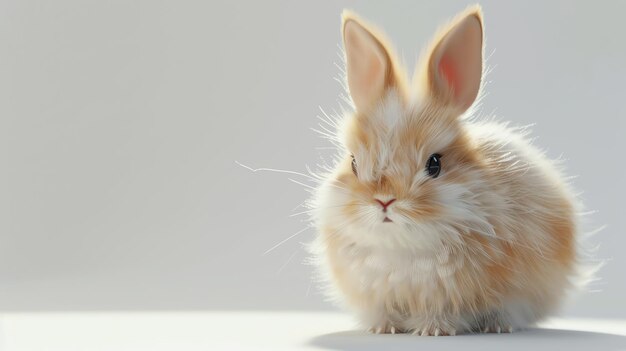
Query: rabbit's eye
[
  {"x": 433, "y": 165},
  {"x": 353, "y": 164}
]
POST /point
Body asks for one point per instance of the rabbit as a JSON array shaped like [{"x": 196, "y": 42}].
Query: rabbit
[{"x": 432, "y": 221}]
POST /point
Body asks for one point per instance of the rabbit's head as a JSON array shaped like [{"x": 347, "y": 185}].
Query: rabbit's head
[{"x": 410, "y": 175}]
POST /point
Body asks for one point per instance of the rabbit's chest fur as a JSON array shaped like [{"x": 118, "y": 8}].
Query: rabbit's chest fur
[{"x": 400, "y": 281}]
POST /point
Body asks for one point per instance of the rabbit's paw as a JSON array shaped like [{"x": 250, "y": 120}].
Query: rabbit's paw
[
  {"x": 384, "y": 328},
  {"x": 435, "y": 329},
  {"x": 496, "y": 328}
]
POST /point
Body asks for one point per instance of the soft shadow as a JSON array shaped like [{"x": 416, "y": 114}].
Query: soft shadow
[{"x": 537, "y": 339}]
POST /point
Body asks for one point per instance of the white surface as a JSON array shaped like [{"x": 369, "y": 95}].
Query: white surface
[{"x": 182, "y": 331}]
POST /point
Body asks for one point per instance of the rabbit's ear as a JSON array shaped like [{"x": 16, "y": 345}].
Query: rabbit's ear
[
  {"x": 369, "y": 67},
  {"x": 455, "y": 65}
]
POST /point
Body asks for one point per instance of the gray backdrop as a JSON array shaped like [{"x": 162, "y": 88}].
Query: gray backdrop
[{"x": 120, "y": 124}]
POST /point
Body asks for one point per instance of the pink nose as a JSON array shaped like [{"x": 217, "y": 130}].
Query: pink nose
[{"x": 385, "y": 205}]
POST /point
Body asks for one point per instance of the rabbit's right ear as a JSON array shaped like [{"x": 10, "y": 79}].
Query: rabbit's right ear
[{"x": 368, "y": 64}]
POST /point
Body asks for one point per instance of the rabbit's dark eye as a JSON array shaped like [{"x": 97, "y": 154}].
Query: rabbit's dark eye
[
  {"x": 433, "y": 165},
  {"x": 353, "y": 164}
]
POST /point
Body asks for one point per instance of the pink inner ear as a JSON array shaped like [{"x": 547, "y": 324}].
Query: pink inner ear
[{"x": 447, "y": 71}]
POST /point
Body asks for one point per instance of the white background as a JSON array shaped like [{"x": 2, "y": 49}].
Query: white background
[{"x": 120, "y": 124}]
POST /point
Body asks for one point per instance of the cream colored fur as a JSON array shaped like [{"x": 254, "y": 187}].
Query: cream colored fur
[{"x": 489, "y": 245}]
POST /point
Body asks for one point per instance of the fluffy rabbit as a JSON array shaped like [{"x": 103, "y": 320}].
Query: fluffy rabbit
[{"x": 432, "y": 222}]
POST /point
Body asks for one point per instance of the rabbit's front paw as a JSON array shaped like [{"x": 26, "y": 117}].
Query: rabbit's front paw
[
  {"x": 435, "y": 331},
  {"x": 434, "y": 327},
  {"x": 385, "y": 328},
  {"x": 496, "y": 328}
]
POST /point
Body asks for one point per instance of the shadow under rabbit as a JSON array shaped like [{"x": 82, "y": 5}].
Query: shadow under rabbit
[{"x": 536, "y": 339}]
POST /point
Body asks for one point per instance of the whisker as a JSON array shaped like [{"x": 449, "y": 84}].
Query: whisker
[
  {"x": 287, "y": 262},
  {"x": 302, "y": 184},
  {"x": 285, "y": 240},
  {"x": 302, "y": 204},
  {"x": 272, "y": 170},
  {"x": 313, "y": 210}
]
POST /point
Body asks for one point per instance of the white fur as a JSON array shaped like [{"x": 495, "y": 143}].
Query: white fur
[
  {"x": 407, "y": 256},
  {"x": 499, "y": 209}
]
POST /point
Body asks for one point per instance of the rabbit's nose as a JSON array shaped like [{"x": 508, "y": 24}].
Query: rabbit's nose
[{"x": 385, "y": 204}]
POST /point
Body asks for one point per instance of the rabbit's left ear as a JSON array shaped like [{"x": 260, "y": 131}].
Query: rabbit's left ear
[{"x": 455, "y": 65}]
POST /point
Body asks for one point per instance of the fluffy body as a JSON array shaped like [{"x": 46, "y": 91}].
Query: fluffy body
[{"x": 488, "y": 246}]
